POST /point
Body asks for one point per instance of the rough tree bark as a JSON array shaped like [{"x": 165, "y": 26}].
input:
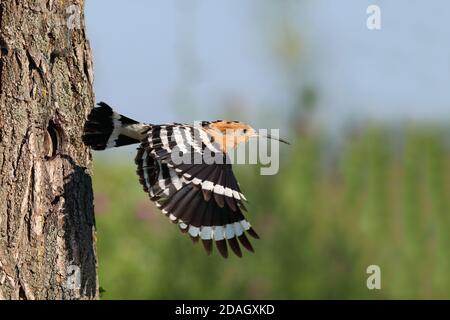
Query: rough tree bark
[{"x": 47, "y": 227}]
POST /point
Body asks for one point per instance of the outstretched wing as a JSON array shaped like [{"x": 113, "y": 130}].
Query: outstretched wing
[{"x": 204, "y": 198}]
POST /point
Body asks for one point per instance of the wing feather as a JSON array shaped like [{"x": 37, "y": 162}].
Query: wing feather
[{"x": 204, "y": 199}]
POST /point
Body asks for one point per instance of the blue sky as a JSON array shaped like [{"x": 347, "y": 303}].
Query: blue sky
[{"x": 179, "y": 60}]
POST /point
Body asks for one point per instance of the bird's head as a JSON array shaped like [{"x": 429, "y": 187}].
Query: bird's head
[{"x": 229, "y": 134}]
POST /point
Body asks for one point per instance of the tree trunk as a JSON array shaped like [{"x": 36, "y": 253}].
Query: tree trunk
[{"x": 47, "y": 226}]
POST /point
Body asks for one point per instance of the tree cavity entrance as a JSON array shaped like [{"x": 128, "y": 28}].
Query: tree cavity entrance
[{"x": 52, "y": 140}]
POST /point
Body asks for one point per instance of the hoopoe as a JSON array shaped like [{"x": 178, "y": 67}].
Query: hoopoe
[{"x": 202, "y": 197}]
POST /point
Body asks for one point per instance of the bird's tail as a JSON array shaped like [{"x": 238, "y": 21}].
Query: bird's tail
[{"x": 105, "y": 128}]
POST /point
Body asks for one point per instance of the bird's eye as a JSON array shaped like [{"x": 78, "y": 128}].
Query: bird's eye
[{"x": 245, "y": 131}]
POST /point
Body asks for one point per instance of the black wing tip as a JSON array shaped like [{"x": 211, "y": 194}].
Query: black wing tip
[
  {"x": 194, "y": 239},
  {"x": 207, "y": 244},
  {"x": 246, "y": 243},
  {"x": 222, "y": 247},
  {"x": 253, "y": 233},
  {"x": 234, "y": 244}
]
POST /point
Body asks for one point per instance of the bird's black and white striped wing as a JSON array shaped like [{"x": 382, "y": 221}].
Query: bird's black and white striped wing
[
  {"x": 175, "y": 144},
  {"x": 203, "y": 198}
]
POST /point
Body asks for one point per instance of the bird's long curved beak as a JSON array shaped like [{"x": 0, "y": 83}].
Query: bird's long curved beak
[{"x": 268, "y": 136}]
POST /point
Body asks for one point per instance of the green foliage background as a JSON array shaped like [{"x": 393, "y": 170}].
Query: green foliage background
[{"x": 382, "y": 198}]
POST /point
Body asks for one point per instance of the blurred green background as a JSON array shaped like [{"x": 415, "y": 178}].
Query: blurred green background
[
  {"x": 365, "y": 182},
  {"x": 322, "y": 222}
]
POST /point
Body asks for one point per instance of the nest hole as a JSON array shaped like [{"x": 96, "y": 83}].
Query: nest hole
[{"x": 52, "y": 140}]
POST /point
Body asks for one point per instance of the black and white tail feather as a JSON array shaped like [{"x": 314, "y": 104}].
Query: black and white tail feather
[
  {"x": 107, "y": 129},
  {"x": 203, "y": 199}
]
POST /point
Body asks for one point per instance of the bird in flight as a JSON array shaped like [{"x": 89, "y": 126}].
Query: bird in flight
[{"x": 186, "y": 171}]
